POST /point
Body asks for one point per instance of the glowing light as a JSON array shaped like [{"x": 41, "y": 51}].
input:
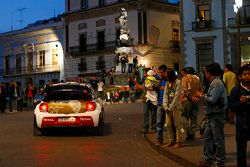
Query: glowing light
[{"x": 237, "y": 5}]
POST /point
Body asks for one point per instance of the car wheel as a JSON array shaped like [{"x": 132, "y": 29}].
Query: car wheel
[
  {"x": 99, "y": 131},
  {"x": 36, "y": 131}
]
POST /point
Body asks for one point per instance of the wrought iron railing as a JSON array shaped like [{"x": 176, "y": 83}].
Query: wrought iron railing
[
  {"x": 31, "y": 70},
  {"x": 174, "y": 46},
  {"x": 93, "y": 47},
  {"x": 244, "y": 22},
  {"x": 202, "y": 25}
]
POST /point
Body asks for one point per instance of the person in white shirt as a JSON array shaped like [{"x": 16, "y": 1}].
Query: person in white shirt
[{"x": 100, "y": 92}]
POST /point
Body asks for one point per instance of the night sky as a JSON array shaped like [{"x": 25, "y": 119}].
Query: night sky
[{"x": 16, "y": 14}]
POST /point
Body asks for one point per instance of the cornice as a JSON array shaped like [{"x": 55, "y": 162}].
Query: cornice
[
  {"x": 116, "y": 8},
  {"x": 202, "y": 1}
]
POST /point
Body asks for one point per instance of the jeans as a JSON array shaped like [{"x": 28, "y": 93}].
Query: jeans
[
  {"x": 241, "y": 141},
  {"x": 214, "y": 135},
  {"x": 161, "y": 116},
  {"x": 191, "y": 114},
  {"x": 147, "y": 109},
  {"x": 173, "y": 120},
  {"x": 30, "y": 105},
  {"x": 123, "y": 67}
]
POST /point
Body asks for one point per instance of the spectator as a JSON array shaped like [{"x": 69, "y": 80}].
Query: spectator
[
  {"x": 30, "y": 94},
  {"x": 123, "y": 61},
  {"x": 100, "y": 90},
  {"x": 125, "y": 94},
  {"x": 204, "y": 82},
  {"x": 173, "y": 107},
  {"x": 109, "y": 97},
  {"x": 116, "y": 96},
  {"x": 38, "y": 97},
  {"x": 130, "y": 64},
  {"x": 141, "y": 73},
  {"x": 190, "y": 85},
  {"x": 161, "y": 115},
  {"x": 216, "y": 104},
  {"x": 14, "y": 95},
  {"x": 148, "y": 106},
  {"x": 2, "y": 98},
  {"x": 93, "y": 82},
  {"x": 104, "y": 74},
  {"x": 112, "y": 76},
  {"x": 135, "y": 62},
  {"x": 230, "y": 81},
  {"x": 240, "y": 104}
]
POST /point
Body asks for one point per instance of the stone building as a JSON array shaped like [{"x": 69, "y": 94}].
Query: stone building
[
  {"x": 33, "y": 54},
  {"x": 92, "y": 29},
  {"x": 209, "y": 33}
]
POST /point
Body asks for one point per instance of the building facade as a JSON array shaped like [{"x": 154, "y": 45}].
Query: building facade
[
  {"x": 209, "y": 33},
  {"x": 33, "y": 54},
  {"x": 92, "y": 29}
]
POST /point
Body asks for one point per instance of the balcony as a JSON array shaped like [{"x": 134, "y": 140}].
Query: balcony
[
  {"x": 93, "y": 48},
  {"x": 203, "y": 25},
  {"x": 244, "y": 22},
  {"x": 31, "y": 70},
  {"x": 174, "y": 46}
]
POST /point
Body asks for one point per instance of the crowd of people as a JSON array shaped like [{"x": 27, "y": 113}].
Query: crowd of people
[
  {"x": 14, "y": 98},
  {"x": 176, "y": 100}
]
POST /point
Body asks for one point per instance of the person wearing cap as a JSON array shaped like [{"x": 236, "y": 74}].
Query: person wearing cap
[{"x": 149, "y": 98}]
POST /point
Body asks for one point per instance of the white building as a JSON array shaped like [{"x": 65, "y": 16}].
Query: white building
[
  {"x": 209, "y": 33},
  {"x": 92, "y": 29},
  {"x": 33, "y": 54}
]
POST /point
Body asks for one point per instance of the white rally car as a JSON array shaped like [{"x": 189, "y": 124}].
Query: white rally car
[{"x": 68, "y": 104}]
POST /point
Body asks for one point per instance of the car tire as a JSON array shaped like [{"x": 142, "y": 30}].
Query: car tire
[
  {"x": 36, "y": 131},
  {"x": 99, "y": 130}
]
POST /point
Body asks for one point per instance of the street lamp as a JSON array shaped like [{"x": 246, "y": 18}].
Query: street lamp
[{"x": 237, "y": 6}]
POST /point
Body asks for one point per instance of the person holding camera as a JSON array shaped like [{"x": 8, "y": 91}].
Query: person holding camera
[
  {"x": 240, "y": 104},
  {"x": 216, "y": 104}
]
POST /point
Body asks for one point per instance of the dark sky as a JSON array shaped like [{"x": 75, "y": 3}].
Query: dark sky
[
  {"x": 16, "y": 14},
  {"x": 31, "y": 10}
]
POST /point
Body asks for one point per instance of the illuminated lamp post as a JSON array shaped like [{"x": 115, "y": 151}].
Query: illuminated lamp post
[{"x": 237, "y": 6}]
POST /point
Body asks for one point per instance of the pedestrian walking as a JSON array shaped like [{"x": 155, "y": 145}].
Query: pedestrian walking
[
  {"x": 161, "y": 115},
  {"x": 216, "y": 104},
  {"x": 173, "y": 107},
  {"x": 240, "y": 104}
]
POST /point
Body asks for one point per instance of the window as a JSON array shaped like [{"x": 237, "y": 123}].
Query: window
[
  {"x": 205, "y": 54},
  {"x": 100, "y": 40},
  {"x": 175, "y": 34},
  {"x": 54, "y": 57},
  {"x": 18, "y": 63},
  {"x": 42, "y": 58},
  {"x": 82, "y": 66},
  {"x": 7, "y": 64},
  {"x": 83, "y": 42},
  {"x": 102, "y": 2},
  {"x": 203, "y": 12},
  {"x": 30, "y": 61},
  {"x": 84, "y": 4},
  {"x": 100, "y": 65}
]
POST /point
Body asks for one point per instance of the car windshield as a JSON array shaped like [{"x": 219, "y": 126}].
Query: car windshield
[{"x": 68, "y": 92}]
